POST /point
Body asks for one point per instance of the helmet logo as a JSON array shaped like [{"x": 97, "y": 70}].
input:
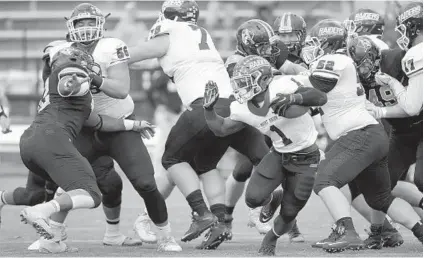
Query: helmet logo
[
  {"x": 365, "y": 44},
  {"x": 367, "y": 16},
  {"x": 257, "y": 63},
  {"x": 94, "y": 10},
  {"x": 416, "y": 11},
  {"x": 330, "y": 31},
  {"x": 247, "y": 37}
]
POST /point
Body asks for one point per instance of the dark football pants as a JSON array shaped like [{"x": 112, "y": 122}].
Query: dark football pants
[
  {"x": 128, "y": 150},
  {"x": 359, "y": 156},
  {"x": 48, "y": 152},
  {"x": 296, "y": 174},
  {"x": 191, "y": 140}
]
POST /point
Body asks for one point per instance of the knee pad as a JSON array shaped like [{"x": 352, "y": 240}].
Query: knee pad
[
  {"x": 111, "y": 188},
  {"x": 144, "y": 185},
  {"x": 380, "y": 202},
  {"x": 354, "y": 190},
  {"x": 243, "y": 171},
  {"x": 24, "y": 196},
  {"x": 253, "y": 201}
]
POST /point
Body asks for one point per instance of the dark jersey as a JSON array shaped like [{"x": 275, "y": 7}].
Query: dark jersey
[
  {"x": 296, "y": 60},
  {"x": 67, "y": 113},
  {"x": 383, "y": 96}
]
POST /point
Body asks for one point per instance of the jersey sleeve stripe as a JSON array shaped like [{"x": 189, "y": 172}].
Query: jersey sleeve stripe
[{"x": 326, "y": 74}]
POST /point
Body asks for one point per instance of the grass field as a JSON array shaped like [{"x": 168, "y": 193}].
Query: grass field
[{"x": 86, "y": 228}]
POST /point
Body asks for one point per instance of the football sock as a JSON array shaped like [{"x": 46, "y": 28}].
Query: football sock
[
  {"x": 112, "y": 227},
  {"x": 164, "y": 230},
  {"x": 219, "y": 211},
  {"x": 6, "y": 197},
  {"x": 418, "y": 230},
  {"x": 281, "y": 227},
  {"x": 196, "y": 202}
]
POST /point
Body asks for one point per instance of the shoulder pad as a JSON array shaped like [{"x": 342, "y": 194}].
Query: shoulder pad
[
  {"x": 161, "y": 27},
  {"x": 47, "y": 48},
  {"x": 285, "y": 84},
  {"x": 115, "y": 49},
  {"x": 412, "y": 62}
]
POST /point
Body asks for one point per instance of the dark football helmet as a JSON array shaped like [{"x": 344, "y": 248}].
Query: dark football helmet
[
  {"x": 87, "y": 33},
  {"x": 366, "y": 57},
  {"x": 365, "y": 22},
  {"x": 291, "y": 29},
  {"x": 72, "y": 55},
  {"x": 256, "y": 37},
  {"x": 409, "y": 24},
  {"x": 326, "y": 37},
  {"x": 180, "y": 10},
  {"x": 251, "y": 76}
]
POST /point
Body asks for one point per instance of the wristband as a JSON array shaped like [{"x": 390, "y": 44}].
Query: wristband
[{"x": 129, "y": 124}]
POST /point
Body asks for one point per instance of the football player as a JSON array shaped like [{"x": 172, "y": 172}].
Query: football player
[
  {"x": 110, "y": 93},
  {"x": 405, "y": 135},
  {"x": 67, "y": 107},
  {"x": 409, "y": 98},
  {"x": 188, "y": 55},
  {"x": 366, "y": 22},
  {"x": 361, "y": 144},
  {"x": 291, "y": 29},
  {"x": 262, "y": 102},
  {"x": 256, "y": 37}
]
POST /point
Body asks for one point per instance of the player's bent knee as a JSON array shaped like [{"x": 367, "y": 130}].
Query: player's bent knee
[
  {"x": 144, "y": 185},
  {"x": 254, "y": 200},
  {"x": 111, "y": 188},
  {"x": 24, "y": 196},
  {"x": 380, "y": 202},
  {"x": 243, "y": 173}
]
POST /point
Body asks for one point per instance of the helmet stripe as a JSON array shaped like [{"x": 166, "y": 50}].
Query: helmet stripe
[
  {"x": 267, "y": 27},
  {"x": 283, "y": 21}
]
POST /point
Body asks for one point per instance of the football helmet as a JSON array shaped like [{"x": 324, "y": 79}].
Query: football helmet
[
  {"x": 72, "y": 55},
  {"x": 409, "y": 24},
  {"x": 366, "y": 57},
  {"x": 251, "y": 76},
  {"x": 180, "y": 10},
  {"x": 256, "y": 37},
  {"x": 326, "y": 37},
  {"x": 86, "y": 34},
  {"x": 291, "y": 29},
  {"x": 364, "y": 22}
]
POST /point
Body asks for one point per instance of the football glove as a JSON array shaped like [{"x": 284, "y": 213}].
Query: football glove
[
  {"x": 211, "y": 95},
  {"x": 146, "y": 129},
  {"x": 281, "y": 102}
]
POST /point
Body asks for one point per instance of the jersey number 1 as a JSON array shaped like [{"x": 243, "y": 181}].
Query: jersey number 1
[
  {"x": 203, "y": 45},
  {"x": 286, "y": 140}
]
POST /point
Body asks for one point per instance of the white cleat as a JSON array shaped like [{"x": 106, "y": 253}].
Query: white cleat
[
  {"x": 32, "y": 216},
  {"x": 143, "y": 228},
  {"x": 120, "y": 240},
  {"x": 262, "y": 228},
  {"x": 36, "y": 245},
  {"x": 168, "y": 244},
  {"x": 53, "y": 247}
]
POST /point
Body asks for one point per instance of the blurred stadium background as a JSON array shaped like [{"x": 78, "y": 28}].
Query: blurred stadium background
[{"x": 27, "y": 26}]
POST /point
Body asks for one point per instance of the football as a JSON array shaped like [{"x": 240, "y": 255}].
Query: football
[{"x": 294, "y": 111}]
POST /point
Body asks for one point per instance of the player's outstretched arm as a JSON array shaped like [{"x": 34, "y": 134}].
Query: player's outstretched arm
[
  {"x": 310, "y": 97},
  {"x": 219, "y": 126},
  {"x": 116, "y": 84},
  {"x": 154, "y": 48},
  {"x": 409, "y": 98},
  {"x": 106, "y": 123}
]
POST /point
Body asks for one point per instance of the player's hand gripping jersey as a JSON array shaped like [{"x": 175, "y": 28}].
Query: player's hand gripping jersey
[
  {"x": 192, "y": 60},
  {"x": 106, "y": 52},
  {"x": 287, "y": 135},
  {"x": 345, "y": 110},
  {"x": 70, "y": 111}
]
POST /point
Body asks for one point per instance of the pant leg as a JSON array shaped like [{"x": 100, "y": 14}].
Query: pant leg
[
  {"x": 33, "y": 193},
  {"x": 418, "y": 176},
  {"x": 265, "y": 179}
]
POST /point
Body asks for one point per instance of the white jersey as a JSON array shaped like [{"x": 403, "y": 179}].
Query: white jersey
[
  {"x": 381, "y": 45},
  {"x": 287, "y": 135},
  {"x": 192, "y": 60},
  {"x": 107, "y": 53},
  {"x": 412, "y": 62},
  {"x": 345, "y": 108}
]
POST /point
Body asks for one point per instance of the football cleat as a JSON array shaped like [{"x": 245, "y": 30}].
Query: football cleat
[
  {"x": 143, "y": 228},
  {"x": 120, "y": 240},
  {"x": 168, "y": 244},
  {"x": 332, "y": 236},
  {"x": 345, "y": 239},
  {"x": 268, "y": 210},
  {"x": 36, "y": 245},
  {"x": 228, "y": 221},
  {"x": 199, "y": 225},
  {"x": 53, "y": 247},
  {"x": 38, "y": 221},
  {"x": 375, "y": 239},
  {"x": 254, "y": 222},
  {"x": 215, "y": 236}
]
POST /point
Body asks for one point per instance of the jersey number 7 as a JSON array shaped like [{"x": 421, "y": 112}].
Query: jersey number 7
[{"x": 203, "y": 45}]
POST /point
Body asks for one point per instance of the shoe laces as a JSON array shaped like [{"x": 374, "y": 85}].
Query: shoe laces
[{"x": 336, "y": 232}]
